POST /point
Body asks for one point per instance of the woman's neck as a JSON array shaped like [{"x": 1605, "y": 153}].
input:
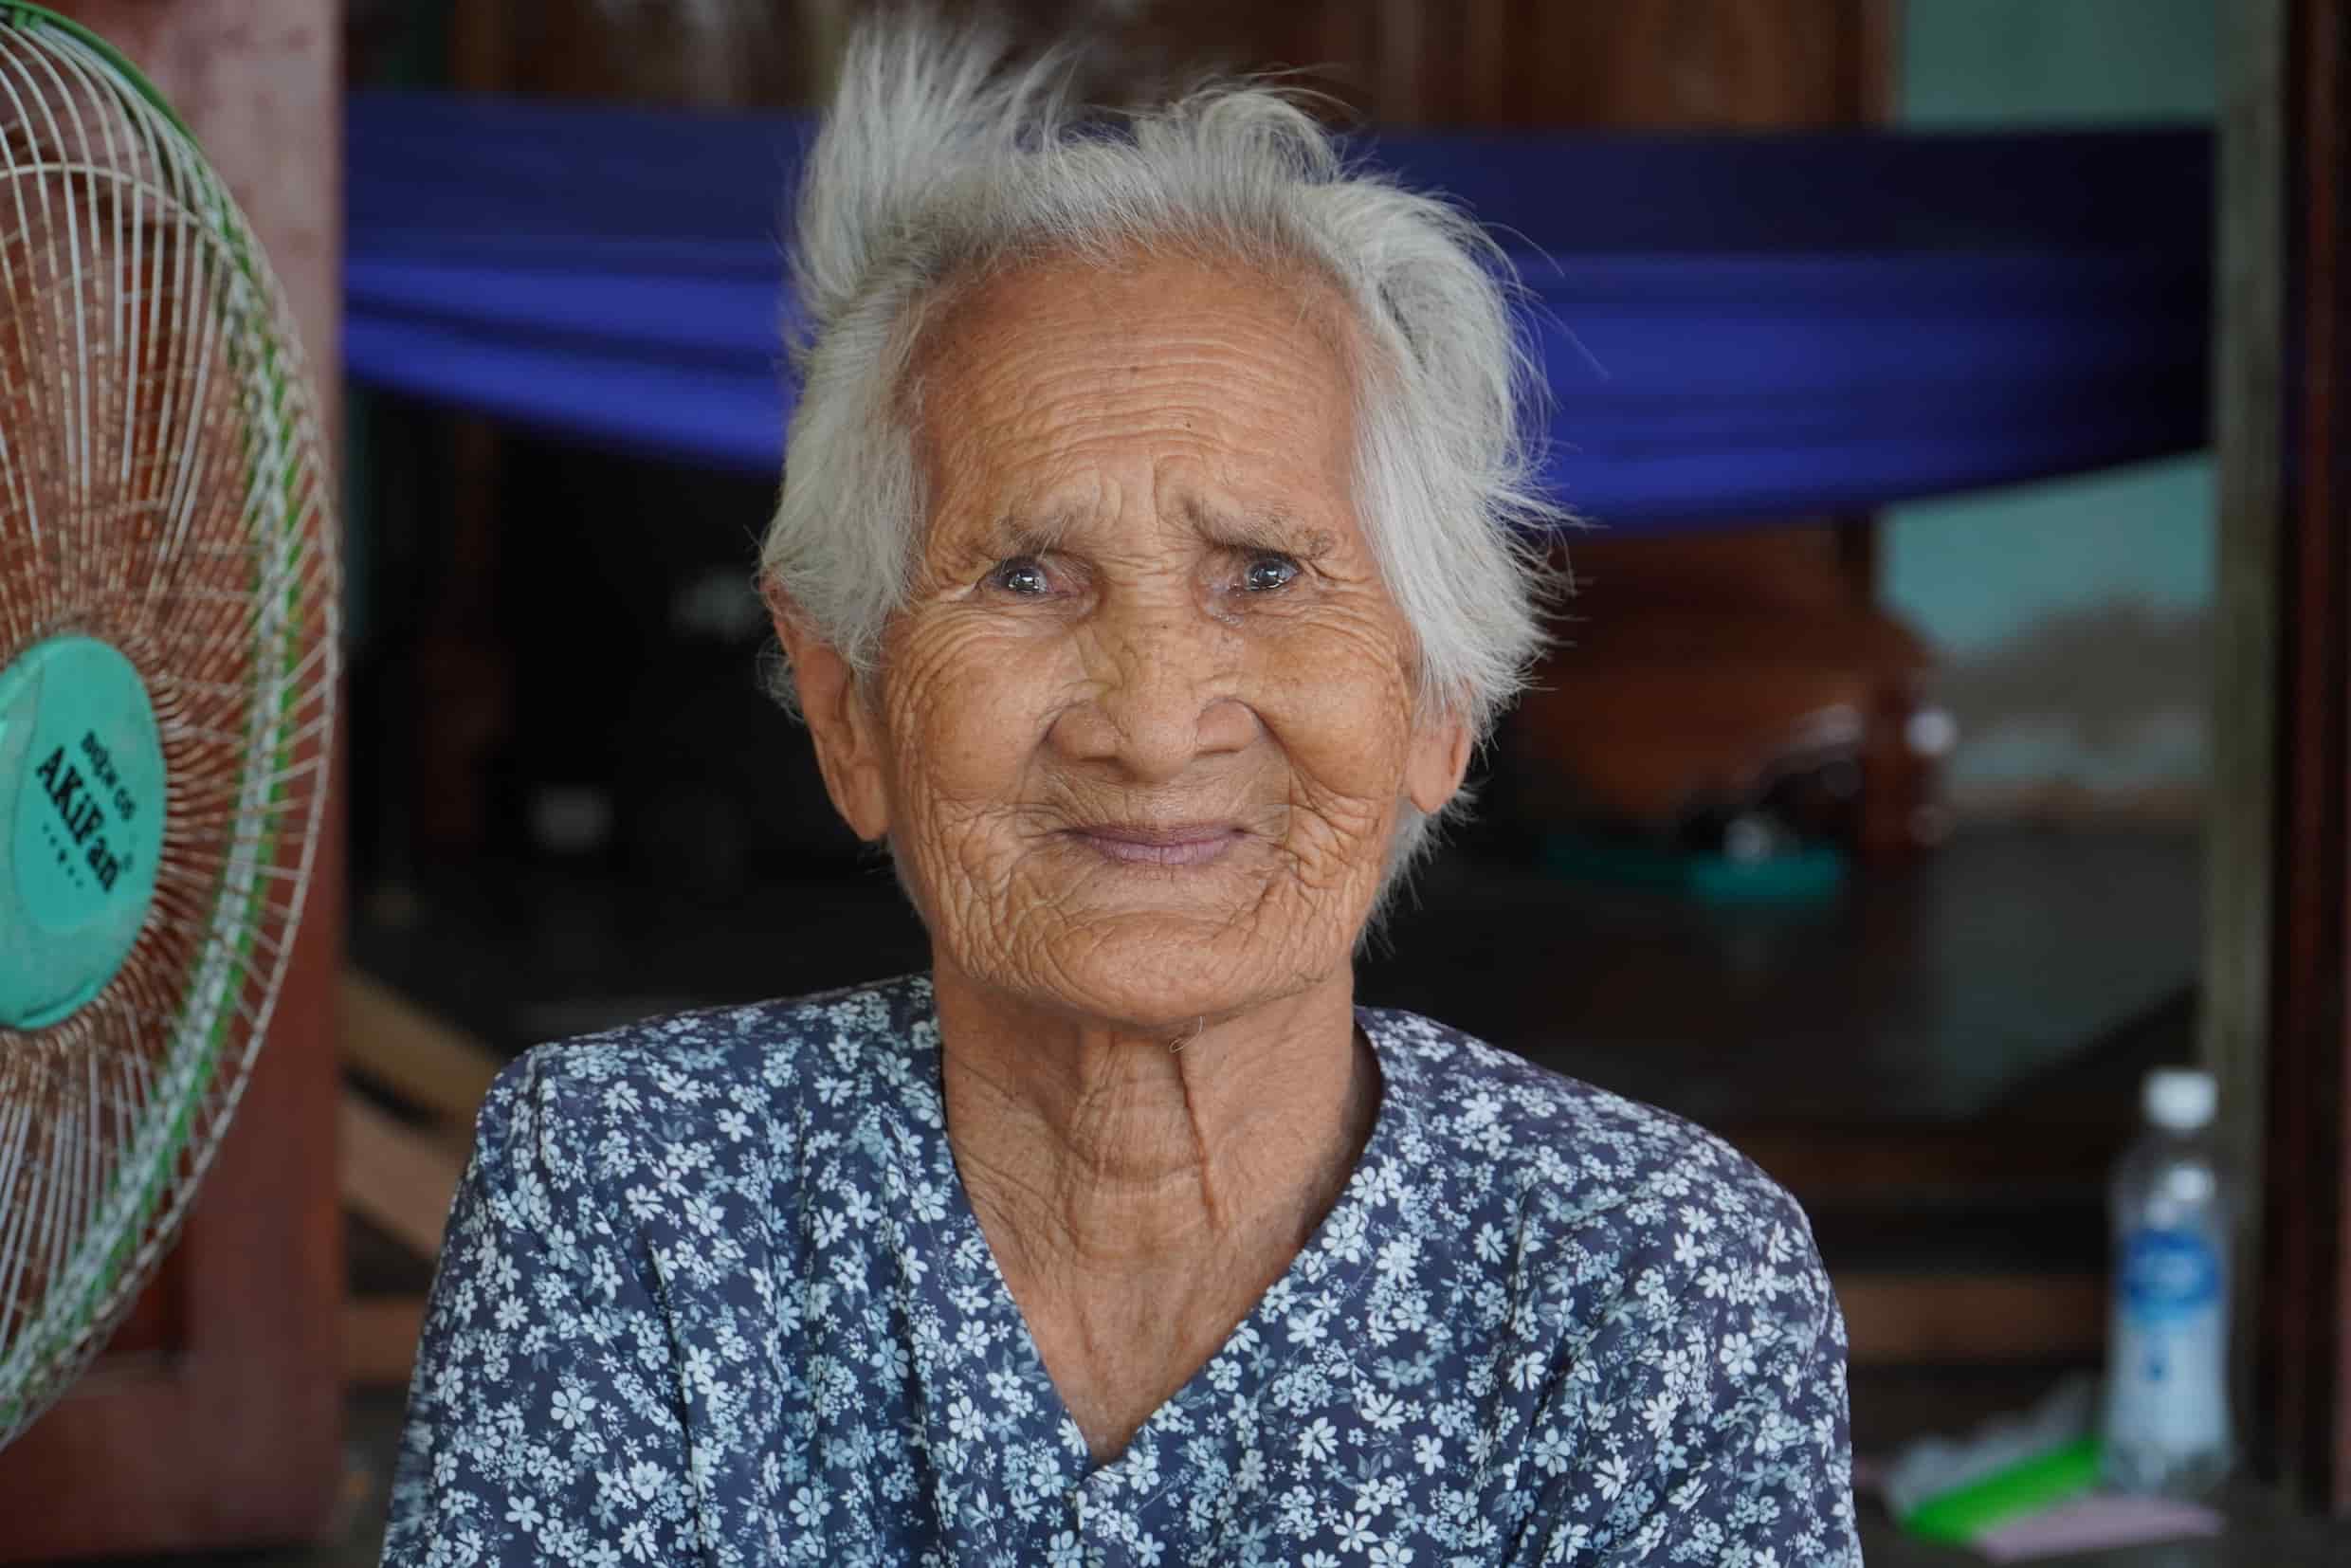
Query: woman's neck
[{"x": 1140, "y": 1192}]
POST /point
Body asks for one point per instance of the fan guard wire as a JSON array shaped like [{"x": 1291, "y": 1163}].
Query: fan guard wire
[{"x": 160, "y": 490}]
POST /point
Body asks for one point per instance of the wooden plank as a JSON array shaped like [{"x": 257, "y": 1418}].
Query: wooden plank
[
  {"x": 1960, "y": 1319},
  {"x": 379, "y": 1338},
  {"x": 400, "y": 1178},
  {"x": 2307, "y": 1291},
  {"x": 2246, "y": 414},
  {"x": 2279, "y": 916},
  {"x": 413, "y": 1055},
  {"x": 1829, "y": 1165}
]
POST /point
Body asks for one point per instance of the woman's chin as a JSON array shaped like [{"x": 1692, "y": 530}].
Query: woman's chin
[{"x": 1162, "y": 972}]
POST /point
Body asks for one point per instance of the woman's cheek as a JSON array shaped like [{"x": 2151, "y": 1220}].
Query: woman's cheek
[
  {"x": 972, "y": 713},
  {"x": 1336, "y": 701}
]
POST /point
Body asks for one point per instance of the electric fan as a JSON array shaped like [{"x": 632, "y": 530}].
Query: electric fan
[{"x": 167, "y": 682}]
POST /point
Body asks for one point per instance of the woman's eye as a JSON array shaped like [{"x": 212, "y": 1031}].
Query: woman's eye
[
  {"x": 1266, "y": 573},
  {"x": 1022, "y": 575}
]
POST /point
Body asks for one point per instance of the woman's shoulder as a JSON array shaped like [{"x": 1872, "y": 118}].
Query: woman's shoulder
[
  {"x": 1589, "y": 1156},
  {"x": 720, "y": 1064}
]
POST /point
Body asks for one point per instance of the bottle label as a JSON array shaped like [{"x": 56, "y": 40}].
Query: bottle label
[
  {"x": 2168, "y": 1377},
  {"x": 2168, "y": 1274}
]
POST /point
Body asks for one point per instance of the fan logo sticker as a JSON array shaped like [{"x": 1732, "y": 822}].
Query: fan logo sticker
[
  {"x": 83, "y": 801},
  {"x": 83, "y": 774}
]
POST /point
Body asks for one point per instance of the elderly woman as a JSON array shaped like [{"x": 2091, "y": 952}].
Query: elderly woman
[{"x": 1148, "y": 564}]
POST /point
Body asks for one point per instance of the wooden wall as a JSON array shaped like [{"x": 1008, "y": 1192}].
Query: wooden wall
[{"x": 1657, "y": 63}]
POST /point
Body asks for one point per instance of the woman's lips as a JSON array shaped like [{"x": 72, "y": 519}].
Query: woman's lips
[{"x": 1188, "y": 844}]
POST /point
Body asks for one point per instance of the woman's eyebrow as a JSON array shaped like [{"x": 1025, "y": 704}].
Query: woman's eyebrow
[
  {"x": 1273, "y": 530},
  {"x": 1011, "y": 535}
]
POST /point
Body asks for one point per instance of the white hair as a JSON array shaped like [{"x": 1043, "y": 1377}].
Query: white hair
[{"x": 940, "y": 162}]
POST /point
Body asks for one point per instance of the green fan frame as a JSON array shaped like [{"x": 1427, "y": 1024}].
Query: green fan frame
[{"x": 134, "y": 1216}]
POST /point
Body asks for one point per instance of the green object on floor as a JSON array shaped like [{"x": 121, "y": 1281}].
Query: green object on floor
[
  {"x": 1957, "y": 1516},
  {"x": 1814, "y": 871}
]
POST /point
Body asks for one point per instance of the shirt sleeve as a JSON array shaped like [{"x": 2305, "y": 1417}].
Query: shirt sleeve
[
  {"x": 1720, "y": 1435},
  {"x": 542, "y": 1423}
]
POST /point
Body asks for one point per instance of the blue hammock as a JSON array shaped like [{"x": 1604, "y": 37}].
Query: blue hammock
[{"x": 1731, "y": 327}]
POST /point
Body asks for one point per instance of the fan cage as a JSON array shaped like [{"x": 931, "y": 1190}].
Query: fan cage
[{"x": 221, "y": 996}]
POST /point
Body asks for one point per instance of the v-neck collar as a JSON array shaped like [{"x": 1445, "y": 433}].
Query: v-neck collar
[{"x": 1313, "y": 1289}]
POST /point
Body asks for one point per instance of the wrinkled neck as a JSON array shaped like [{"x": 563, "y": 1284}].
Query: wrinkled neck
[{"x": 1091, "y": 1147}]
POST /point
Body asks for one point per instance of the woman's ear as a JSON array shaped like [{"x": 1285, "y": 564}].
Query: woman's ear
[
  {"x": 1438, "y": 761},
  {"x": 847, "y": 733}
]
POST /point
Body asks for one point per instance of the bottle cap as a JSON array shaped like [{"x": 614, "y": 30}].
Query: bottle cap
[{"x": 2180, "y": 1099}]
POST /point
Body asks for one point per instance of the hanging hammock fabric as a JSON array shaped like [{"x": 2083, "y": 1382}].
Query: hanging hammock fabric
[{"x": 1730, "y": 327}]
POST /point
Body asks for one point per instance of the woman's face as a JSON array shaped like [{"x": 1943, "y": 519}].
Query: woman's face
[{"x": 1141, "y": 734}]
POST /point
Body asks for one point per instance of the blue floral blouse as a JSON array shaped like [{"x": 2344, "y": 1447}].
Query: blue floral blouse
[{"x": 712, "y": 1294}]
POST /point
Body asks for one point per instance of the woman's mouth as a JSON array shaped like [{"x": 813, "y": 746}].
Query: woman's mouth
[{"x": 1179, "y": 844}]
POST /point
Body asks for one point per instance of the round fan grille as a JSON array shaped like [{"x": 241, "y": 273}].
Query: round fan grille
[{"x": 167, "y": 683}]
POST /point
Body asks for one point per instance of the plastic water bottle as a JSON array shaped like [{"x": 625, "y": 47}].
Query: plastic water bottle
[{"x": 2168, "y": 1425}]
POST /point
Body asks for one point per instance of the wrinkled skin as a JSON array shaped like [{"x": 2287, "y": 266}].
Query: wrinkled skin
[
  {"x": 1143, "y": 598},
  {"x": 1139, "y": 743}
]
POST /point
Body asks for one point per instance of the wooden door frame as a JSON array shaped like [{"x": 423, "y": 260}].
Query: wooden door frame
[{"x": 2279, "y": 884}]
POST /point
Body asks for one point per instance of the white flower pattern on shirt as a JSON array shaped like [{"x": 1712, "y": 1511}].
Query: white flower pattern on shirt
[{"x": 712, "y": 1293}]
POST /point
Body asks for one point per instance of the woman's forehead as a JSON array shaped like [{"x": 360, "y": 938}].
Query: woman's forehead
[
  {"x": 1222, "y": 389},
  {"x": 1206, "y": 517}
]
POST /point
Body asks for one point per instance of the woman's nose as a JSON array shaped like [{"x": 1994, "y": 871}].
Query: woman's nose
[{"x": 1163, "y": 699}]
